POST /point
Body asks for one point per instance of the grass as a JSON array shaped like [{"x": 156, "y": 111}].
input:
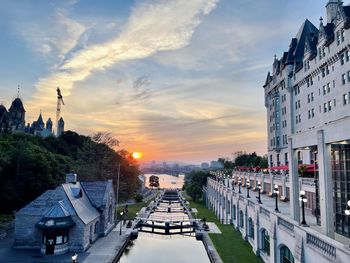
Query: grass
[
  {"x": 132, "y": 209},
  {"x": 230, "y": 245}
]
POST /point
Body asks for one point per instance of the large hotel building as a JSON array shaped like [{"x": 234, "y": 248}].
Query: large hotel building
[{"x": 307, "y": 98}]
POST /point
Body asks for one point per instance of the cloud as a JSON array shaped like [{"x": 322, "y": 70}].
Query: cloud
[
  {"x": 55, "y": 36},
  {"x": 142, "y": 36}
]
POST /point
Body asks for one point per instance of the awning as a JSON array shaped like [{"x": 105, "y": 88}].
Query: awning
[
  {"x": 281, "y": 167},
  {"x": 55, "y": 223}
]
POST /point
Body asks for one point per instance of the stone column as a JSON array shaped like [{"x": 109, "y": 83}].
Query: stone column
[
  {"x": 262, "y": 183},
  {"x": 325, "y": 185},
  {"x": 284, "y": 187},
  {"x": 293, "y": 182},
  {"x": 271, "y": 182}
]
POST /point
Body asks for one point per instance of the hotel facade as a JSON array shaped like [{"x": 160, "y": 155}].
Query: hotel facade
[{"x": 307, "y": 98}]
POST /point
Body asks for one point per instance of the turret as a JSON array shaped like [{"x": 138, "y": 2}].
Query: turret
[{"x": 332, "y": 8}]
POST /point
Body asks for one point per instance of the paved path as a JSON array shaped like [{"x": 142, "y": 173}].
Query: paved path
[{"x": 103, "y": 250}]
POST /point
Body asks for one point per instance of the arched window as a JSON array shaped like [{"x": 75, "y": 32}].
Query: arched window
[
  {"x": 234, "y": 212},
  {"x": 250, "y": 228},
  {"x": 96, "y": 227},
  {"x": 110, "y": 214},
  {"x": 241, "y": 219},
  {"x": 286, "y": 255},
  {"x": 265, "y": 240}
]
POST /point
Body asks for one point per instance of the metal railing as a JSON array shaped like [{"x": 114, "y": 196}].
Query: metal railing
[{"x": 321, "y": 245}]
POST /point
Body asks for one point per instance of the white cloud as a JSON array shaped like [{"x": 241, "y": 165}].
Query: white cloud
[{"x": 152, "y": 27}]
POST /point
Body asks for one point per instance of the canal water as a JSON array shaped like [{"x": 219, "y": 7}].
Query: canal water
[
  {"x": 154, "y": 248},
  {"x": 160, "y": 248}
]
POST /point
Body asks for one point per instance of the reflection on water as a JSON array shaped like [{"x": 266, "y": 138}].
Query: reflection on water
[
  {"x": 167, "y": 181},
  {"x": 153, "y": 248}
]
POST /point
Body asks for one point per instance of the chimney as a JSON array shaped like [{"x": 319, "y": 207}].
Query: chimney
[{"x": 71, "y": 178}]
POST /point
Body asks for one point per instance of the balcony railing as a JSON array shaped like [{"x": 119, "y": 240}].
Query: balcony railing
[{"x": 321, "y": 245}]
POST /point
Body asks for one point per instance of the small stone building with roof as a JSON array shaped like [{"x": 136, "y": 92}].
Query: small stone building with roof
[{"x": 68, "y": 218}]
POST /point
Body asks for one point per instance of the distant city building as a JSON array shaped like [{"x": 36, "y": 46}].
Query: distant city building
[
  {"x": 216, "y": 165},
  {"x": 307, "y": 97},
  {"x": 13, "y": 120},
  {"x": 68, "y": 218},
  {"x": 204, "y": 165}
]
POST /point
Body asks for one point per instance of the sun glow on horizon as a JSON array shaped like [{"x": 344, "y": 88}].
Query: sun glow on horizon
[{"x": 136, "y": 155}]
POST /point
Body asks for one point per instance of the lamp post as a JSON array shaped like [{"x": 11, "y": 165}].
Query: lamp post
[
  {"x": 233, "y": 184},
  {"x": 248, "y": 187},
  {"x": 259, "y": 192},
  {"x": 303, "y": 200},
  {"x": 239, "y": 185},
  {"x": 117, "y": 196},
  {"x": 276, "y": 192},
  {"x": 121, "y": 222},
  {"x": 74, "y": 257}
]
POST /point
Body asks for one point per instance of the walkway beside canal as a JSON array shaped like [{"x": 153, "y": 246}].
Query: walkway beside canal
[{"x": 104, "y": 250}]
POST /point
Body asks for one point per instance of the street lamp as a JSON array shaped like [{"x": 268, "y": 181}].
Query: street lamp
[
  {"x": 248, "y": 187},
  {"x": 303, "y": 200},
  {"x": 74, "y": 257},
  {"x": 233, "y": 184},
  {"x": 259, "y": 192},
  {"x": 347, "y": 211},
  {"x": 276, "y": 192},
  {"x": 121, "y": 222},
  {"x": 239, "y": 185}
]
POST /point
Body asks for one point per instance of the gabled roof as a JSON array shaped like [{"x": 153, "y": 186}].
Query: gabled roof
[
  {"x": 306, "y": 30},
  {"x": 81, "y": 204},
  {"x": 97, "y": 192}
]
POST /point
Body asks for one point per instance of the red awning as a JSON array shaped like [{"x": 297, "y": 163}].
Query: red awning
[
  {"x": 281, "y": 167},
  {"x": 310, "y": 167}
]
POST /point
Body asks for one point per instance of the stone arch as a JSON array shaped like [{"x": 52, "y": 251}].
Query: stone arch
[
  {"x": 96, "y": 227},
  {"x": 286, "y": 255},
  {"x": 241, "y": 219},
  {"x": 250, "y": 228},
  {"x": 265, "y": 241}
]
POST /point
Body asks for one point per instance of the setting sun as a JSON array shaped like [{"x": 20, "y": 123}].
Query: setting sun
[{"x": 136, "y": 155}]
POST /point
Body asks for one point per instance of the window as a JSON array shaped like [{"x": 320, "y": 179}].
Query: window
[
  {"x": 265, "y": 238},
  {"x": 312, "y": 113},
  {"x": 325, "y": 107},
  {"x": 347, "y": 56},
  {"x": 348, "y": 76},
  {"x": 309, "y": 114},
  {"x": 323, "y": 70},
  {"x": 343, "y": 79},
  {"x": 285, "y": 255},
  {"x": 286, "y": 157},
  {"x": 328, "y": 87},
  {"x": 338, "y": 38},
  {"x": 324, "y": 89},
  {"x": 312, "y": 96},
  {"x": 241, "y": 219},
  {"x": 345, "y": 99},
  {"x": 329, "y": 105},
  {"x": 250, "y": 228},
  {"x": 308, "y": 98},
  {"x": 342, "y": 59},
  {"x": 96, "y": 227},
  {"x": 342, "y": 35}
]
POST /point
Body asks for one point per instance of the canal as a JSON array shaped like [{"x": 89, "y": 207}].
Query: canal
[{"x": 169, "y": 248}]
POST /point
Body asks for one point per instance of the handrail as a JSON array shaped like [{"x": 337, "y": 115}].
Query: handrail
[{"x": 321, "y": 245}]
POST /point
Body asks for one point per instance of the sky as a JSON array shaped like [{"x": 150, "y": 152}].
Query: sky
[{"x": 178, "y": 80}]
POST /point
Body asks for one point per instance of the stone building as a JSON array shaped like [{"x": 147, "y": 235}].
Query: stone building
[
  {"x": 68, "y": 218},
  {"x": 13, "y": 120},
  {"x": 307, "y": 97}
]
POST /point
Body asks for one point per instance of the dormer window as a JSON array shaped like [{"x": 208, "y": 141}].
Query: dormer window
[{"x": 76, "y": 192}]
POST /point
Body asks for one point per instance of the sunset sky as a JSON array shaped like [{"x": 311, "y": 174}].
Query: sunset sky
[{"x": 178, "y": 80}]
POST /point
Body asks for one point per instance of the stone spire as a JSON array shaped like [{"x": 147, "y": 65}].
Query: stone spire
[{"x": 331, "y": 9}]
